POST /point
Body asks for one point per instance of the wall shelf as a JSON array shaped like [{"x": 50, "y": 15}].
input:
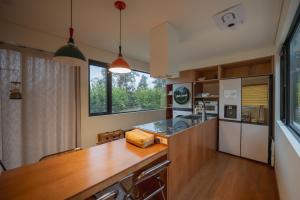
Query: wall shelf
[
  {"x": 169, "y": 110},
  {"x": 208, "y": 81}
]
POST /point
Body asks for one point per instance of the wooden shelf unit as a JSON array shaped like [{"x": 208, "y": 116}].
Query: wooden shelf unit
[
  {"x": 248, "y": 68},
  {"x": 208, "y": 86},
  {"x": 169, "y": 108}
]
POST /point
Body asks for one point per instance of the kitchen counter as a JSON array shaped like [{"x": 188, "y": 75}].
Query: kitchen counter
[
  {"x": 77, "y": 175},
  {"x": 170, "y": 127},
  {"x": 192, "y": 143},
  {"x": 189, "y": 151}
]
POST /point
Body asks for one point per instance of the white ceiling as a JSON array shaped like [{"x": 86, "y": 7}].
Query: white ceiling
[{"x": 96, "y": 24}]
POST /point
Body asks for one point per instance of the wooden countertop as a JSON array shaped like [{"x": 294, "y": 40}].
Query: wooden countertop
[{"x": 77, "y": 175}]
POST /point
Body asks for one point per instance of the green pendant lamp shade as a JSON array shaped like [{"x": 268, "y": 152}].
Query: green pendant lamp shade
[{"x": 70, "y": 54}]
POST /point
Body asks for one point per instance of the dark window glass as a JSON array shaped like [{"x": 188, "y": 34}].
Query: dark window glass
[
  {"x": 290, "y": 77},
  {"x": 137, "y": 91},
  {"x": 294, "y": 79},
  {"x": 98, "y": 89},
  {"x": 111, "y": 93}
]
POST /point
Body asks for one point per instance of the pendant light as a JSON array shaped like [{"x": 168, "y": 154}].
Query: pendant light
[
  {"x": 70, "y": 54},
  {"x": 120, "y": 65}
]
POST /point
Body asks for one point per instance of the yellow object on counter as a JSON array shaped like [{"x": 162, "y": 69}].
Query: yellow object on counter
[{"x": 139, "y": 138}]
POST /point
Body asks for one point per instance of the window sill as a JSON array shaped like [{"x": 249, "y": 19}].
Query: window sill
[
  {"x": 290, "y": 137},
  {"x": 124, "y": 113}
]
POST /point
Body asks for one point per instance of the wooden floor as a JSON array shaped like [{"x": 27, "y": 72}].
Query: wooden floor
[{"x": 228, "y": 177}]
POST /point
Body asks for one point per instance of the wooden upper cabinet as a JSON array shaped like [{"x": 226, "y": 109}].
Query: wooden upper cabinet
[
  {"x": 209, "y": 73},
  {"x": 184, "y": 77},
  {"x": 248, "y": 68},
  {"x": 255, "y": 67}
]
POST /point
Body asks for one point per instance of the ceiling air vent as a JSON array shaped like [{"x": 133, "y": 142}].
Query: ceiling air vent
[{"x": 230, "y": 18}]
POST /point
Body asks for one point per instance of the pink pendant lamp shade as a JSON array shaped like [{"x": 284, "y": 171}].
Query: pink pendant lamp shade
[{"x": 120, "y": 65}]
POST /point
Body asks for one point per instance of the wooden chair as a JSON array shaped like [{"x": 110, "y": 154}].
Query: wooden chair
[
  {"x": 110, "y": 136},
  {"x": 119, "y": 191},
  {"x": 60, "y": 153},
  {"x": 2, "y": 166}
]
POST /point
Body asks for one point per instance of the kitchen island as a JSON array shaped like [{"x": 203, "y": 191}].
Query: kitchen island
[{"x": 192, "y": 142}]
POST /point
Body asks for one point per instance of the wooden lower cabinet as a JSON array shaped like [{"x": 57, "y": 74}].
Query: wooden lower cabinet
[{"x": 189, "y": 151}]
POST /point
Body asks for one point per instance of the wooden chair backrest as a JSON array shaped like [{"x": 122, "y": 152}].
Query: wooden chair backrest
[
  {"x": 2, "y": 166},
  {"x": 110, "y": 136}
]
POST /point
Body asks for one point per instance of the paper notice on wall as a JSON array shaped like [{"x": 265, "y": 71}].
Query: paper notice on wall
[{"x": 230, "y": 94}]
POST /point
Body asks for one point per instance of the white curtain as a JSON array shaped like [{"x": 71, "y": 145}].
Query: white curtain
[
  {"x": 10, "y": 110},
  {"x": 45, "y": 120}
]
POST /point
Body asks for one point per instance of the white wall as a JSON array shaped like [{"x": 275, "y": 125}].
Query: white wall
[
  {"x": 287, "y": 148},
  {"x": 90, "y": 126},
  {"x": 287, "y": 163}
]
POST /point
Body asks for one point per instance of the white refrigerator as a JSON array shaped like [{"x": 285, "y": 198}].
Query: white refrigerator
[
  {"x": 230, "y": 116},
  {"x": 244, "y": 117},
  {"x": 256, "y": 118}
]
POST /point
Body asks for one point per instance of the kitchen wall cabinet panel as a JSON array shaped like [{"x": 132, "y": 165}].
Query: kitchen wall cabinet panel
[
  {"x": 254, "y": 142},
  {"x": 230, "y": 94},
  {"x": 230, "y": 137}
]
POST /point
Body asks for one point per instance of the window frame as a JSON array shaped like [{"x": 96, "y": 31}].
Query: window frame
[
  {"x": 109, "y": 91},
  {"x": 108, "y": 85},
  {"x": 285, "y": 69}
]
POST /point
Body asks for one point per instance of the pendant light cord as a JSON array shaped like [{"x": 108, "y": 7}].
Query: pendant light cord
[
  {"x": 71, "y": 30},
  {"x": 71, "y": 13},
  {"x": 120, "y": 45}
]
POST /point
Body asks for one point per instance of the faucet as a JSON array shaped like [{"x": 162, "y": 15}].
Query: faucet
[{"x": 204, "y": 117}]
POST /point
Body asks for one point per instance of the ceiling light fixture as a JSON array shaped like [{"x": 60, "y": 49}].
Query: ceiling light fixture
[
  {"x": 120, "y": 65},
  {"x": 70, "y": 54}
]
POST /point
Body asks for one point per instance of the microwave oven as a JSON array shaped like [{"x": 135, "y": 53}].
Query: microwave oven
[{"x": 211, "y": 107}]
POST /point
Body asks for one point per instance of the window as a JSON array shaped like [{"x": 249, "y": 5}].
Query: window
[
  {"x": 112, "y": 93},
  {"x": 98, "y": 94},
  {"x": 294, "y": 74},
  {"x": 290, "y": 77}
]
